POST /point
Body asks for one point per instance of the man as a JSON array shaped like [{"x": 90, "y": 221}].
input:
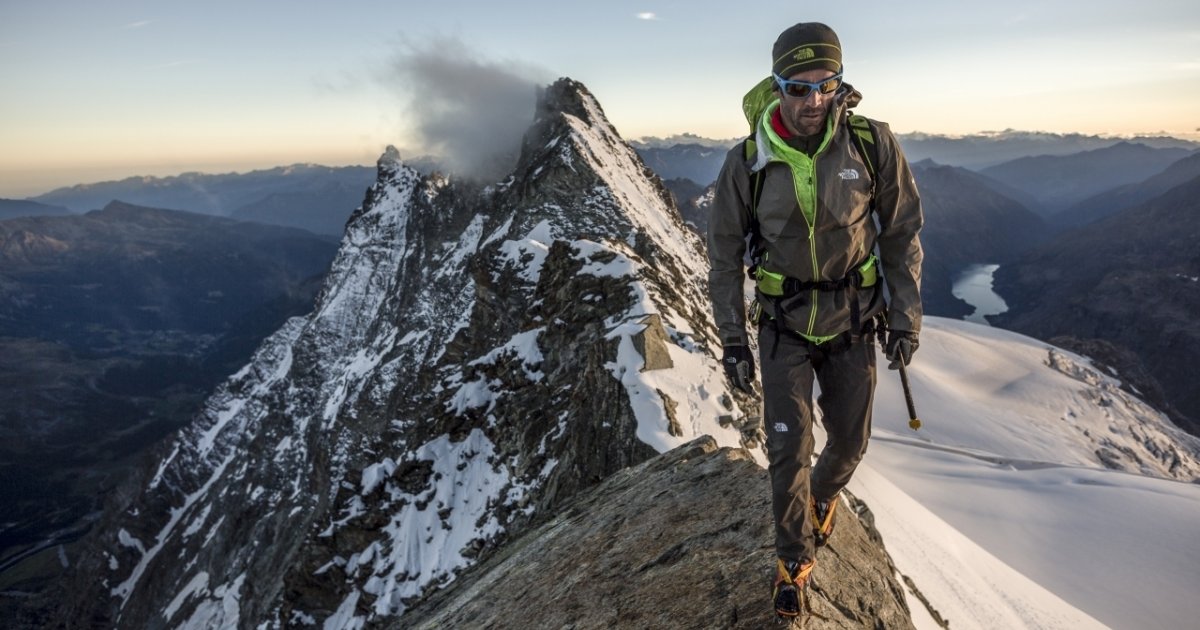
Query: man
[{"x": 825, "y": 211}]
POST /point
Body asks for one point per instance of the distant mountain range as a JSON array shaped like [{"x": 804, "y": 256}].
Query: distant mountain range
[
  {"x": 312, "y": 197},
  {"x": 699, "y": 159},
  {"x": 1129, "y": 195},
  {"x": 322, "y": 209},
  {"x": 114, "y": 326},
  {"x": 982, "y": 150},
  {"x": 697, "y": 162},
  {"x": 967, "y": 221},
  {"x": 13, "y": 208},
  {"x": 1061, "y": 181},
  {"x": 1132, "y": 279},
  {"x": 653, "y": 142},
  {"x": 321, "y": 198}
]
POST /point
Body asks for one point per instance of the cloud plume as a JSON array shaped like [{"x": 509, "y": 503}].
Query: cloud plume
[{"x": 471, "y": 111}]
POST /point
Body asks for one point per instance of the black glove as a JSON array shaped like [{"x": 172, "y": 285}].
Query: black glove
[
  {"x": 739, "y": 367},
  {"x": 901, "y": 344}
]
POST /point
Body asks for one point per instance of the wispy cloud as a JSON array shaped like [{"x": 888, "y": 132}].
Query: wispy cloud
[
  {"x": 464, "y": 106},
  {"x": 138, "y": 24},
  {"x": 648, "y": 16}
]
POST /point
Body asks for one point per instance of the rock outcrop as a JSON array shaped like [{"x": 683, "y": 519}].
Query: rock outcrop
[{"x": 684, "y": 540}]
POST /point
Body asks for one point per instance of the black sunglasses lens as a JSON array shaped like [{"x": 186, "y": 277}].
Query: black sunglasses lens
[
  {"x": 798, "y": 90},
  {"x": 831, "y": 85}
]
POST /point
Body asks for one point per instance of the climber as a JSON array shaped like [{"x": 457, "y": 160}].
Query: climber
[{"x": 832, "y": 214}]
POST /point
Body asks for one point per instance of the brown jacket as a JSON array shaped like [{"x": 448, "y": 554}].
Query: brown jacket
[{"x": 839, "y": 236}]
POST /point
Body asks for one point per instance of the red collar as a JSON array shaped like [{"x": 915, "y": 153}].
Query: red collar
[{"x": 778, "y": 126}]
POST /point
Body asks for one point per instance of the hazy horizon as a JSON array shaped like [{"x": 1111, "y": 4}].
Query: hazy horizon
[{"x": 42, "y": 182}]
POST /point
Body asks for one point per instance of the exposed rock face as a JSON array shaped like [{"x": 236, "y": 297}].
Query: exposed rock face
[
  {"x": 684, "y": 540},
  {"x": 471, "y": 364},
  {"x": 694, "y": 201},
  {"x": 1135, "y": 378}
]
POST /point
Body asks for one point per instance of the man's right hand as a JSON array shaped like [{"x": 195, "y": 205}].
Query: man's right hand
[{"x": 739, "y": 367}]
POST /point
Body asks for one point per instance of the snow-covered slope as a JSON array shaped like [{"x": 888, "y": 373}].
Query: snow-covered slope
[{"x": 1037, "y": 494}]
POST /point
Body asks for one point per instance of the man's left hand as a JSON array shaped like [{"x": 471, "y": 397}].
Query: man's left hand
[{"x": 901, "y": 344}]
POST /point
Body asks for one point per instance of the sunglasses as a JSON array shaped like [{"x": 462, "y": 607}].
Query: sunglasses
[{"x": 801, "y": 89}]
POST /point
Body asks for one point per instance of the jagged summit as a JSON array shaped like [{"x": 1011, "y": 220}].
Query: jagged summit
[
  {"x": 568, "y": 96},
  {"x": 389, "y": 159},
  {"x": 571, "y": 129}
]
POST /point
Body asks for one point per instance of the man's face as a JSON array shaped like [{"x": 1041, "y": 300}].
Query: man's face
[{"x": 805, "y": 116}]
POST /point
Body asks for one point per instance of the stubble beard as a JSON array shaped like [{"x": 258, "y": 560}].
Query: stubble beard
[{"x": 810, "y": 121}]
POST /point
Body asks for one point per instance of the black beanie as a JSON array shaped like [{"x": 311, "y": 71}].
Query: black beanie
[{"x": 806, "y": 46}]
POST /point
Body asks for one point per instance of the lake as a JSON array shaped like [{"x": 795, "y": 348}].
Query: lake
[{"x": 974, "y": 286}]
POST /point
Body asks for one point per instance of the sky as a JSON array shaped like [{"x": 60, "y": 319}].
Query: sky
[{"x": 105, "y": 90}]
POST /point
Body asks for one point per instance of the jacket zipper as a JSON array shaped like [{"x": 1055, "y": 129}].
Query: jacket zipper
[{"x": 812, "y": 244}]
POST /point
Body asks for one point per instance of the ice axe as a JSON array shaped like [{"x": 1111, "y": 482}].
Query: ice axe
[{"x": 914, "y": 422}]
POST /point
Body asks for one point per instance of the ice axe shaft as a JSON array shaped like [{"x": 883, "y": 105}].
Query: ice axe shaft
[{"x": 914, "y": 422}]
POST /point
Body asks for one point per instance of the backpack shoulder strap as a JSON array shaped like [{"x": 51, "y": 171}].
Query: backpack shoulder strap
[
  {"x": 750, "y": 153},
  {"x": 864, "y": 135},
  {"x": 756, "y": 177}
]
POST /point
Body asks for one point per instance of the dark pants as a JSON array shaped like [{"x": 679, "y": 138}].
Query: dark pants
[{"x": 846, "y": 373}]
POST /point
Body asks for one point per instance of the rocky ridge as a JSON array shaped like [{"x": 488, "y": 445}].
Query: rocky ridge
[
  {"x": 682, "y": 540},
  {"x": 477, "y": 356}
]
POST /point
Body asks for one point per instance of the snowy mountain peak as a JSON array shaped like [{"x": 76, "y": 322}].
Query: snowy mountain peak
[
  {"x": 567, "y": 96},
  {"x": 573, "y": 146},
  {"x": 390, "y": 161},
  {"x": 475, "y": 358}
]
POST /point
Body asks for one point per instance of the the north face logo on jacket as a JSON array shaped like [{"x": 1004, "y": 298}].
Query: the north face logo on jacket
[{"x": 848, "y": 173}]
